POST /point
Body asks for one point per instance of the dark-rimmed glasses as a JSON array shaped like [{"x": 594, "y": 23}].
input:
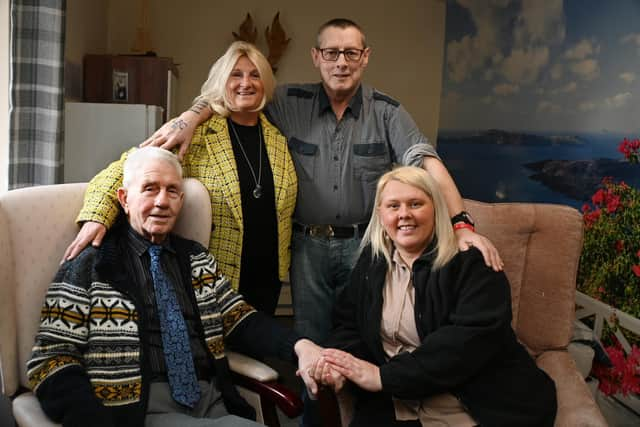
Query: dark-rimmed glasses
[{"x": 332, "y": 54}]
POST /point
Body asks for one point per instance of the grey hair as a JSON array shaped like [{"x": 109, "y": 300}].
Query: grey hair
[
  {"x": 140, "y": 156},
  {"x": 415, "y": 154},
  {"x": 214, "y": 89},
  {"x": 446, "y": 245}
]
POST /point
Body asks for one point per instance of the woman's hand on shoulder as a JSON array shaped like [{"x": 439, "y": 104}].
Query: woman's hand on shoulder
[
  {"x": 467, "y": 238},
  {"x": 176, "y": 132},
  {"x": 91, "y": 232}
]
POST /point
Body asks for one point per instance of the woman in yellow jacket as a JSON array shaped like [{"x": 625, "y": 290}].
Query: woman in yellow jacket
[{"x": 243, "y": 161}]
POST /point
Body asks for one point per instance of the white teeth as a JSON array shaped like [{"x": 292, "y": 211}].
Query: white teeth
[{"x": 406, "y": 227}]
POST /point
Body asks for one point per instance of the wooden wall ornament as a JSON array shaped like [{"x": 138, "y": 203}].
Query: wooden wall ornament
[
  {"x": 247, "y": 32},
  {"x": 277, "y": 41},
  {"x": 275, "y": 35}
]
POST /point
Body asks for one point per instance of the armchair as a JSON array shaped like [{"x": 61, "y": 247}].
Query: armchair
[
  {"x": 36, "y": 225},
  {"x": 540, "y": 245}
]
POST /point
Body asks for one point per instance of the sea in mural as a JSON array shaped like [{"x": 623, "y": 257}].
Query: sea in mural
[
  {"x": 500, "y": 166},
  {"x": 537, "y": 96}
]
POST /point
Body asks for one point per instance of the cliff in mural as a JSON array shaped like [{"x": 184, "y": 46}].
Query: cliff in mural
[{"x": 578, "y": 178}]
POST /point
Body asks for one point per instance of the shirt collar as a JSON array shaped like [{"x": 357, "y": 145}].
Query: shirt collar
[
  {"x": 355, "y": 104},
  {"x": 140, "y": 245},
  {"x": 397, "y": 260}
]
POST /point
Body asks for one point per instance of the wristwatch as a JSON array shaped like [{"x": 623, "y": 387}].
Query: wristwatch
[{"x": 463, "y": 216}]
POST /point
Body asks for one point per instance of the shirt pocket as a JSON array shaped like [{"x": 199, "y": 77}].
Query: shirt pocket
[
  {"x": 370, "y": 160},
  {"x": 304, "y": 158}
]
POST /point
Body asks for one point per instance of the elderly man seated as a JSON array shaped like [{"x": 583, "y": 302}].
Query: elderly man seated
[{"x": 133, "y": 333}]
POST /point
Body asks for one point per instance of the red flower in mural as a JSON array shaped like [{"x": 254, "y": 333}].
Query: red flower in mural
[
  {"x": 610, "y": 268},
  {"x": 613, "y": 202},
  {"x": 624, "y": 376},
  {"x": 630, "y": 149},
  {"x": 598, "y": 197}
]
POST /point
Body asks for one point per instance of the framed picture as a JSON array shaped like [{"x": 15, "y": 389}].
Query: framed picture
[{"x": 120, "y": 86}]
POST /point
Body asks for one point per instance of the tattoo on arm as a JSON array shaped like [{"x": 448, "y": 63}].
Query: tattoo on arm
[
  {"x": 199, "y": 106},
  {"x": 179, "y": 124}
]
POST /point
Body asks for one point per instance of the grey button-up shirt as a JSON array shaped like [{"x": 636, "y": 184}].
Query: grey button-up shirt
[{"x": 339, "y": 163}]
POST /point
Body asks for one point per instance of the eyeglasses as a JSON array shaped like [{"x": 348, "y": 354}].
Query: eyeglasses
[{"x": 332, "y": 54}]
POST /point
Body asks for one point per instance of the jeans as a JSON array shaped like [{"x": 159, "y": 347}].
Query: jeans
[{"x": 320, "y": 269}]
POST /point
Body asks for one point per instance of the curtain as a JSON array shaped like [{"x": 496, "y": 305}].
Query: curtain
[{"x": 36, "y": 122}]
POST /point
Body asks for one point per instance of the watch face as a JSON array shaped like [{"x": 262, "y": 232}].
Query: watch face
[{"x": 468, "y": 216}]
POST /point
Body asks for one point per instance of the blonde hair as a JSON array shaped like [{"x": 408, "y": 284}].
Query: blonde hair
[
  {"x": 214, "y": 91},
  {"x": 446, "y": 245}
]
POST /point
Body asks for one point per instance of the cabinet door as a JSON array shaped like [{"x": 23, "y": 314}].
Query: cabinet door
[{"x": 145, "y": 79}]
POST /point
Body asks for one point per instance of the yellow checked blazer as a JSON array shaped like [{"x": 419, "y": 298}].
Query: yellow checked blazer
[{"x": 210, "y": 159}]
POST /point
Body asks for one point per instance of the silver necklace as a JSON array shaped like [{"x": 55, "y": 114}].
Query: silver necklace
[{"x": 257, "y": 191}]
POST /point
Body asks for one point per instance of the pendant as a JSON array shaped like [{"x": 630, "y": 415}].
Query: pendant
[{"x": 257, "y": 192}]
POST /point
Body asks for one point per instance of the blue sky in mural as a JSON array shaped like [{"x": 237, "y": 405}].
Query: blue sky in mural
[{"x": 552, "y": 65}]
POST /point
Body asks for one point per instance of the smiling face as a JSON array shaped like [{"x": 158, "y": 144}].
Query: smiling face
[
  {"x": 244, "y": 88},
  {"x": 407, "y": 215},
  {"x": 341, "y": 78},
  {"x": 153, "y": 199}
]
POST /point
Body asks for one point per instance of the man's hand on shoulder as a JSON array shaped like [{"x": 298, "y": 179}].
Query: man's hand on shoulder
[
  {"x": 91, "y": 232},
  {"x": 467, "y": 238}
]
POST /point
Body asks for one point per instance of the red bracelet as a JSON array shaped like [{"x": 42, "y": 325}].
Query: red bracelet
[{"x": 460, "y": 225}]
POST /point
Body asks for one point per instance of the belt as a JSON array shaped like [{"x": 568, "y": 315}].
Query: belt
[{"x": 328, "y": 230}]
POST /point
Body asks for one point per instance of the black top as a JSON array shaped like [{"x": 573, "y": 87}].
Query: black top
[{"x": 259, "y": 279}]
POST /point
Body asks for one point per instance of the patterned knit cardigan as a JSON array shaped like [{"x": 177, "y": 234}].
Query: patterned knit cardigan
[
  {"x": 210, "y": 159},
  {"x": 87, "y": 356}
]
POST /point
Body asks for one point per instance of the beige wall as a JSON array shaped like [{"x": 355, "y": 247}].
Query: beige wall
[
  {"x": 4, "y": 95},
  {"x": 86, "y": 33},
  {"x": 407, "y": 41}
]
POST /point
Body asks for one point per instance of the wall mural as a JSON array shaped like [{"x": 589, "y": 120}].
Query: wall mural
[{"x": 537, "y": 95}]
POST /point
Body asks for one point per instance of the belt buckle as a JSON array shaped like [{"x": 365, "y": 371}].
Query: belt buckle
[{"x": 324, "y": 230}]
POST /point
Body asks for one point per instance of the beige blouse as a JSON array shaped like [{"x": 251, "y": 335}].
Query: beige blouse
[{"x": 399, "y": 333}]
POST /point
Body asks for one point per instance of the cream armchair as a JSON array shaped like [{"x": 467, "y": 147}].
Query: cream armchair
[
  {"x": 540, "y": 245},
  {"x": 36, "y": 225}
]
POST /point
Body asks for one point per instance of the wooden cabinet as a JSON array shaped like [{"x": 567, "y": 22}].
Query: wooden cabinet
[{"x": 131, "y": 79}]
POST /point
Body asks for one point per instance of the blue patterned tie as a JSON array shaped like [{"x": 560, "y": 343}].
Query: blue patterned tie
[{"x": 175, "y": 339}]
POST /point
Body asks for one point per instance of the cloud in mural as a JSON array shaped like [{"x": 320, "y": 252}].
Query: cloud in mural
[
  {"x": 587, "y": 69},
  {"x": 548, "y": 106},
  {"x": 568, "y": 88},
  {"x": 582, "y": 50},
  {"x": 524, "y": 66},
  {"x": 524, "y": 40},
  {"x": 586, "y": 106},
  {"x": 628, "y": 77},
  {"x": 539, "y": 23},
  {"x": 578, "y": 69},
  {"x": 556, "y": 72},
  {"x": 633, "y": 38},
  {"x": 617, "y": 101},
  {"x": 505, "y": 89}
]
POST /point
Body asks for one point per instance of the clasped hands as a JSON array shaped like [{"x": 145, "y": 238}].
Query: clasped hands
[{"x": 334, "y": 367}]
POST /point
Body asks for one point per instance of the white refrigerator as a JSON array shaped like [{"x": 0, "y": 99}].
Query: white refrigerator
[{"x": 96, "y": 134}]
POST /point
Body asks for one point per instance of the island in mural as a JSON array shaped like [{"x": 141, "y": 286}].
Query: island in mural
[{"x": 537, "y": 97}]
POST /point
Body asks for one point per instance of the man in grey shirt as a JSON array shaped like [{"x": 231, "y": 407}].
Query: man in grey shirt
[{"x": 343, "y": 135}]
